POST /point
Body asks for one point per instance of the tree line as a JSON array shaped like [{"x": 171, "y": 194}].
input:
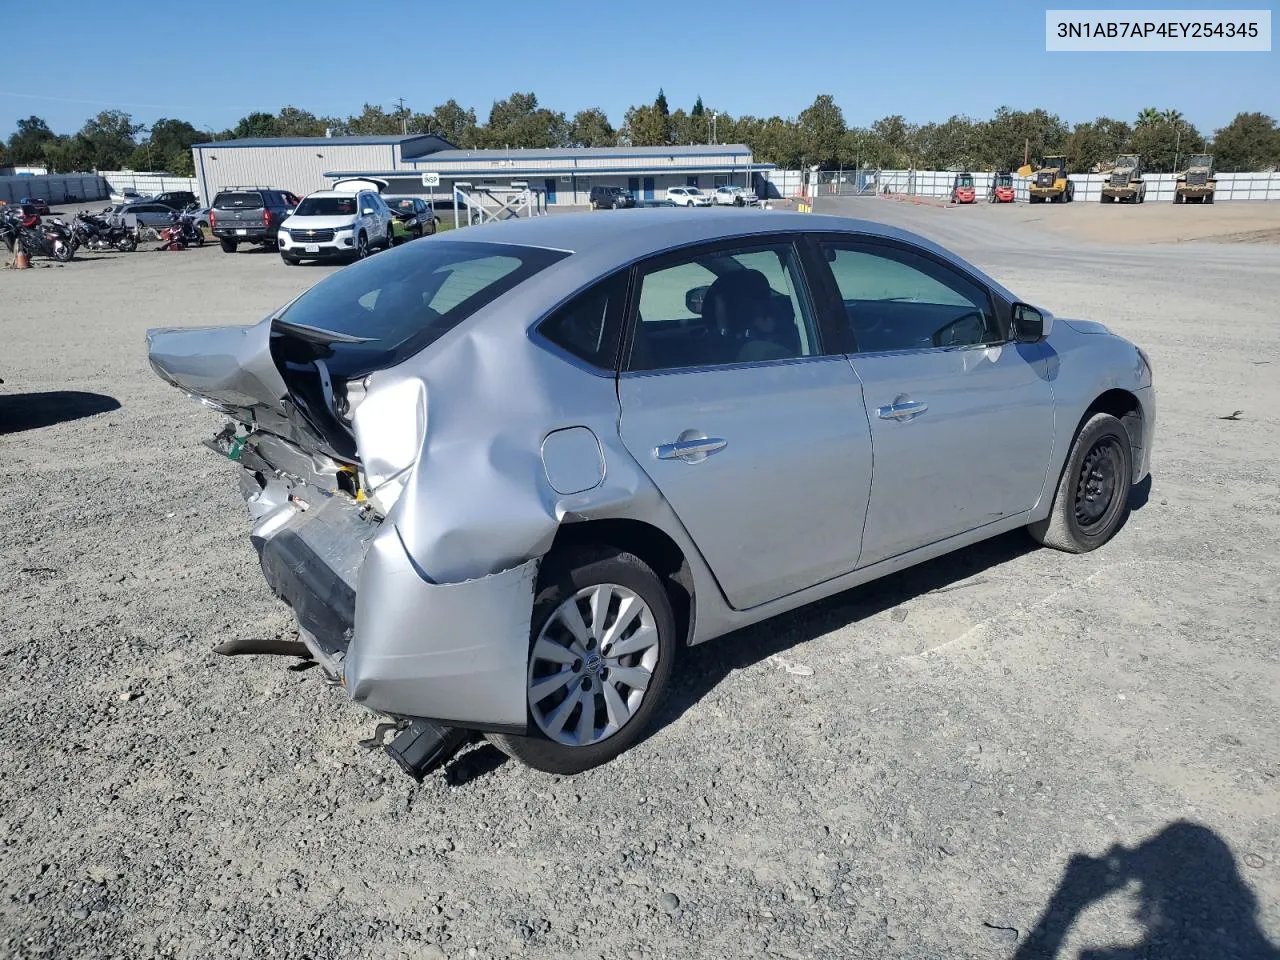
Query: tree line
[{"x": 818, "y": 136}]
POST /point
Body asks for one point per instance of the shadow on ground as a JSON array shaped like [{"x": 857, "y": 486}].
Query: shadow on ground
[
  {"x": 1192, "y": 901},
  {"x": 31, "y": 411},
  {"x": 701, "y": 668}
]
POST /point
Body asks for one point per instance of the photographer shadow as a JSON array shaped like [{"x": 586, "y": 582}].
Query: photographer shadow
[{"x": 1193, "y": 901}]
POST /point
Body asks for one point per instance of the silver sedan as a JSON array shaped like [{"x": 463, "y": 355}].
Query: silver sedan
[{"x": 502, "y": 474}]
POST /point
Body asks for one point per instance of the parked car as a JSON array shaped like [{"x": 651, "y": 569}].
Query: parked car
[
  {"x": 201, "y": 217},
  {"x": 125, "y": 195},
  {"x": 721, "y": 419},
  {"x": 249, "y": 215},
  {"x": 610, "y": 198},
  {"x": 411, "y": 217},
  {"x": 177, "y": 199},
  {"x": 150, "y": 213},
  {"x": 688, "y": 197},
  {"x": 38, "y": 204},
  {"x": 331, "y": 224},
  {"x": 734, "y": 196}
]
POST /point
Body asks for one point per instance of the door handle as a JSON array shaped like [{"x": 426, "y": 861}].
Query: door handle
[
  {"x": 691, "y": 451},
  {"x": 902, "y": 410}
]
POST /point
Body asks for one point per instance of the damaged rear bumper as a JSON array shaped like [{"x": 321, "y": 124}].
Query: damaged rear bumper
[{"x": 400, "y": 643}]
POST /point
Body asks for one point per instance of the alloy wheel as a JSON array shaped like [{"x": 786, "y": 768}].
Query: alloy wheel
[{"x": 591, "y": 664}]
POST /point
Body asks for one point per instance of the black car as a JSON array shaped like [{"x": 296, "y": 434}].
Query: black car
[
  {"x": 611, "y": 198},
  {"x": 249, "y": 215},
  {"x": 176, "y": 199},
  {"x": 414, "y": 214}
]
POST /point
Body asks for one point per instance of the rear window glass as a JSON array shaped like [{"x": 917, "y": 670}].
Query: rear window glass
[
  {"x": 326, "y": 207},
  {"x": 406, "y": 299},
  {"x": 237, "y": 201}
]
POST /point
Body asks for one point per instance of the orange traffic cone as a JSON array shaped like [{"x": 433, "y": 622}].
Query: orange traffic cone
[{"x": 21, "y": 261}]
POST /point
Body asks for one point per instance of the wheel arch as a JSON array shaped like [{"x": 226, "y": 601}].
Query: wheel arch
[
  {"x": 1125, "y": 406},
  {"x": 652, "y": 545}
]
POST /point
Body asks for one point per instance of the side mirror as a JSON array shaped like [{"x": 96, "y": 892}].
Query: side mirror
[
  {"x": 367, "y": 211},
  {"x": 1029, "y": 324},
  {"x": 289, "y": 211},
  {"x": 694, "y": 298}
]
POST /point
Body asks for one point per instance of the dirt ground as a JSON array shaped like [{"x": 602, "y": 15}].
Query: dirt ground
[
  {"x": 923, "y": 767},
  {"x": 1095, "y": 223}
]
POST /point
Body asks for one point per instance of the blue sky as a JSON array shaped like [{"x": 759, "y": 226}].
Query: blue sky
[{"x": 924, "y": 59}]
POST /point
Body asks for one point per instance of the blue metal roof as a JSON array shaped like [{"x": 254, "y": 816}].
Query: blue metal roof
[
  {"x": 593, "y": 153},
  {"x": 504, "y": 173},
  {"x": 371, "y": 141}
]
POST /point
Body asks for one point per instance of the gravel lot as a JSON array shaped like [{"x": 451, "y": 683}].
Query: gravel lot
[{"x": 904, "y": 770}]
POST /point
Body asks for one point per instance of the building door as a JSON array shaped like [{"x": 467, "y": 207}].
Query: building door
[
  {"x": 550, "y": 185},
  {"x": 690, "y": 181},
  {"x": 633, "y": 185},
  {"x": 648, "y": 188}
]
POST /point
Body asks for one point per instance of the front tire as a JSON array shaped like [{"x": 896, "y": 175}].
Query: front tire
[
  {"x": 362, "y": 246},
  {"x": 602, "y": 642},
  {"x": 1092, "y": 499}
]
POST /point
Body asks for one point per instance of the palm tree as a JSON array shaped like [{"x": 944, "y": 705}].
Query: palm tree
[
  {"x": 1148, "y": 115},
  {"x": 1171, "y": 116}
]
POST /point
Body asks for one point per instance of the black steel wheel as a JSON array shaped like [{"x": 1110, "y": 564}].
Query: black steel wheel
[{"x": 1092, "y": 499}]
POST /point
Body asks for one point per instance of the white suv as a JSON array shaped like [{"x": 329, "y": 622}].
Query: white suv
[
  {"x": 733, "y": 196},
  {"x": 332, "y": 224},
  {"x": 688, "y": 197}
]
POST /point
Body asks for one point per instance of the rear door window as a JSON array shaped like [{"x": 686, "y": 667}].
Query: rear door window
[
  {"x": 238, "y": 201},
  {"x": 396, "y": 306}
]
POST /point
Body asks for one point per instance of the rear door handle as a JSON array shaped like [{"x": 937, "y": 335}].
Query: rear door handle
[
  {"x": 902, "y": 410},
  {"x": 692, "y": 451}
]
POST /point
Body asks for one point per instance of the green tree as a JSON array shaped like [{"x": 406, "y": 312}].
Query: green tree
[
  {"x": 821, "y": 130},
  {"x": 455, "y": 124},
  {"x": 518, "y": 121},
  {"x": 295, "y": 122},
  {"x": 26, "y": 145},
  {"x": 660, "y": 104},
  {"x": 591, "y": 128},
  {"x": 110, "y": 139},
  {"x": 1098, "y": 142},
  {"x": 646, "y": 127},
  {"x": 1012, "y": 134},
  {"x": 1249, "y": 142},
  {"x": 778, "y": 141},
  {"x": 1147, "y": 116},
  {"x": 256, "y": 124},
  {"x": 67, "y": 155},
  {"x": 1160, "y": 144},
  {"x": 373, "y": 121},
  {"x": 698, "y": 108}
]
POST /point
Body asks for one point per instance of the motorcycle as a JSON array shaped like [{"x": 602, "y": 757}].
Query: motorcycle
[
  {"x": 98, "y": 233},
  {"x": 37, "y": 238},
  {"x": 181, "y": 232}
]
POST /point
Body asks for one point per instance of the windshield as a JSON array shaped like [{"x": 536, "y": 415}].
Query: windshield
[
  {"x": 404, "y": 206},
  {"x": 964, "y": 180},
  {"x": 1128, "y": 160},
  {"x": 326, "y": 207},
  {"x": 402, "y": 301},
  {"x": 695, "y": 191},
  {"x": 1200, "y": 160}
]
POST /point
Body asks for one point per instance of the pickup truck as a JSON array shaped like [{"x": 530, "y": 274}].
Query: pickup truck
[{"x": 249, "y": 215}]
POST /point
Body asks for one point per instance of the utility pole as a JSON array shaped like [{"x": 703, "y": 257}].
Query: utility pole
[{"x": 404, "y": 119}]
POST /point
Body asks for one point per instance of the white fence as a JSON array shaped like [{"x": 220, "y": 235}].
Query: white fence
[
  {"x": 1088, "y": 186},
  {"x": 56, "y": 188},
  {"x": 148, "y": 184}
]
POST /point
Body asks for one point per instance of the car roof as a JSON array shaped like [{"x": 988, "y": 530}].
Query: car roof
[
  {"x": 652, "y": 230},
  {"x": 335, "y": 193}
]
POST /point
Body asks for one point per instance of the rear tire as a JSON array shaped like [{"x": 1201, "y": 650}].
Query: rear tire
[
  {"x": 567, "y": 582},
  {"x": 1092, "y": 499},
  {"x": 228, "y": 246}
]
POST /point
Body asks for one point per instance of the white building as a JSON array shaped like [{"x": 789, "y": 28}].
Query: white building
[{"x": 563, "y": 176}]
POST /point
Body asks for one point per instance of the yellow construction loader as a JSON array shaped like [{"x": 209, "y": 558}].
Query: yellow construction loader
[{"x": 1049, "y": 181}]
